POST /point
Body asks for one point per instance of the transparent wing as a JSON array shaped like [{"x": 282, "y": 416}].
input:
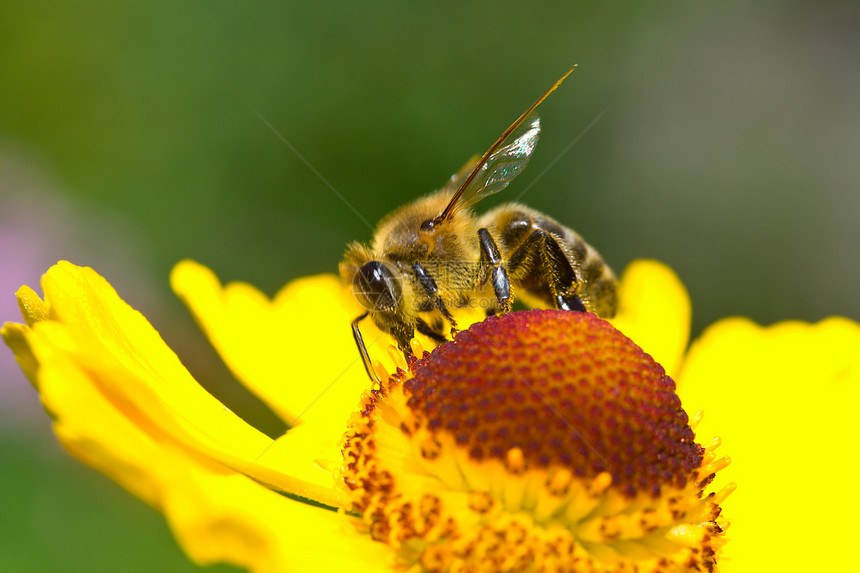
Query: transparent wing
[
  {"x": 457, "y": 179},
  {"x": 504, "y": 164},
  {"x": 503, "y": 161}
]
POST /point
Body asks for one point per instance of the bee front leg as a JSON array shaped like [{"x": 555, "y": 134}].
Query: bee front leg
[
  {"x": 432, "y": 291},
  {"x": 490, "y": 257},
  {"x": 541, "y": 255},
  {"x": 401, "y": 331},
  {"x": 362, "y": 349}
]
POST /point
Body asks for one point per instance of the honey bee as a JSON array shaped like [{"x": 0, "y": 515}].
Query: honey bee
[{"x": 434, "y": 255}]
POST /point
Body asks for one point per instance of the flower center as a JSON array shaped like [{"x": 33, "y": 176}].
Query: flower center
[{"x": 539, "y": 441}]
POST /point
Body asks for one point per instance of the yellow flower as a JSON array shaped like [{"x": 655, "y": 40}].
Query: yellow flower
[{"x": 781, "y": 397}]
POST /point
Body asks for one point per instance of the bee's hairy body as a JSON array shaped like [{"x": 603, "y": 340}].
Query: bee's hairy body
[
  {"x": 452, "y": 257},
  {"x": 433, "y": 256},
  {"x": 594, "y": 282}
]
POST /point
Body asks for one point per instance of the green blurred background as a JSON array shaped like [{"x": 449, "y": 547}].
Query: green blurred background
[{"x": 724, "y": 140}]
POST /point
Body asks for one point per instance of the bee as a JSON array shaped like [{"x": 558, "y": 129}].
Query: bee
[{"x": 434, "y": 255}]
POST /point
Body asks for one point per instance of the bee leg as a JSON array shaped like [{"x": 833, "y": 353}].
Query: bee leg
[
  {"x": 432, "y": 291},
  {"x": 402, "y": 333},
  {"x": 490, "y": 257},
  {"x": 362, "y": 349},
  {"x": 541, "y": 252}
]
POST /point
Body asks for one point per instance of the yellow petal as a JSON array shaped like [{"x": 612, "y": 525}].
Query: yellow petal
[
  {"x": 33, "y": 309},
  {"x": 125, "y": 360},
  {"x": 654, "y": 311},
  {"x": 232, "y": 519},
  {"x": 783, "y": 399},
  {"x": 295, "y": 351},
  {"x": 216, "y": 514},
  {"x": 14, "y": 335}
]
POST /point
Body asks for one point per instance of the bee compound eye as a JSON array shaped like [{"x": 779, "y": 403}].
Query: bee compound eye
[{"x": 375, "y": 287}]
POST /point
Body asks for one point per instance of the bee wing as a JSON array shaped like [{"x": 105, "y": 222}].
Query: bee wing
[
  {"x": 457, "y": 179},
  {"x": 503, "y": 161},
  {"x": 504, "y": 164}
]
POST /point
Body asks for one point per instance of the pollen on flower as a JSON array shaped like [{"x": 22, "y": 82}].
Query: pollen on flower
[{"x": 538, "y": 441}]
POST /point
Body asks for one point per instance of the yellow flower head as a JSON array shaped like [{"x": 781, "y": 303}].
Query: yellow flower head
[{"x": 540, "y": 441}]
